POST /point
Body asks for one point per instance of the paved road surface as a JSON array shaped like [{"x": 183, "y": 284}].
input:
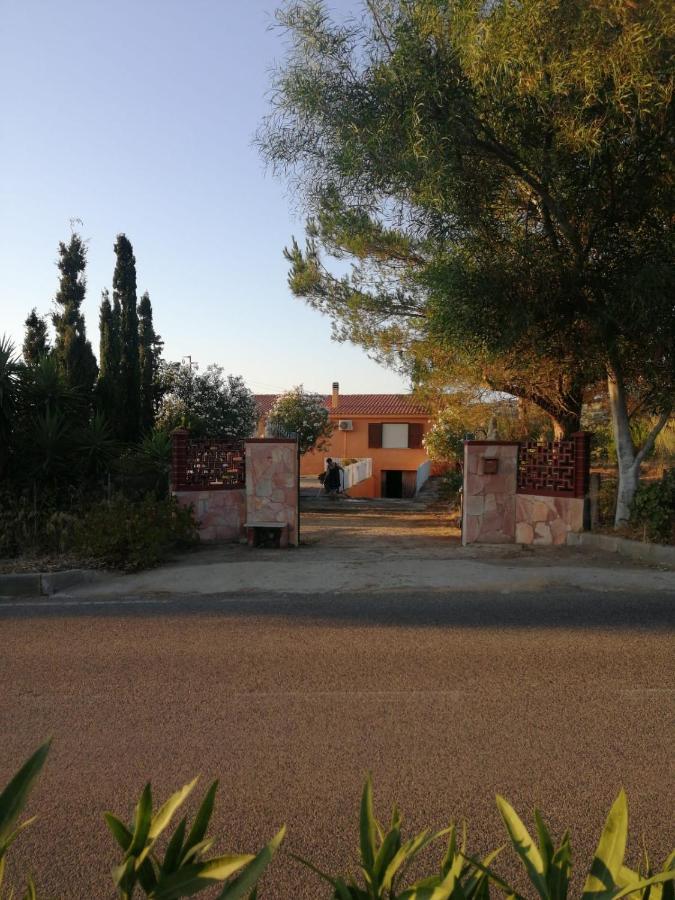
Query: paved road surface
[{"x": 556, "y": 700}]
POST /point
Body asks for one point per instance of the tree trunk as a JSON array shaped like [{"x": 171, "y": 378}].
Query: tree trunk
[{"x": 629, "y": 458}]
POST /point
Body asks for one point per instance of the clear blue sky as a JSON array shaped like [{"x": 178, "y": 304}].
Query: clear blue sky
[{"x": 138, "y": 116}]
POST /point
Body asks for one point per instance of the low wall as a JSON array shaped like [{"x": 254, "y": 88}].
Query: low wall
[
  {"x": 547, "y": 520},
  {"x": 493, "y": 511},
  {"x": 423, "y": 473},
  {"x": 220, "y": 514},
  {"x": 272, "y": 486}
]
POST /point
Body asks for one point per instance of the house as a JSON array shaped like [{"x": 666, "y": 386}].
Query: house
[{"x": 386, "y": 428}]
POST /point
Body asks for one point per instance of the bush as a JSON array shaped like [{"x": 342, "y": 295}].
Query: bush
[
  {"x": 654, "y": 508},
  {"x": 134, "y": 535},
  {"x": 450, "y": 485},
  {"x": 607, "y": 500}
]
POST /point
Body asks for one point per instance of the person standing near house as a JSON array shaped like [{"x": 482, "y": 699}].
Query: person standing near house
[{"x": 332, "y": 481}]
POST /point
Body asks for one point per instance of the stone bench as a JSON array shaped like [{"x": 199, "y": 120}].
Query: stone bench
[{"x": 258, "y": 533}]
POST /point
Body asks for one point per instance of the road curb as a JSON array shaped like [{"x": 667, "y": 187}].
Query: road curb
[
  {"x": 657, "y": 554},
  {"x": 44, "y": 584}
]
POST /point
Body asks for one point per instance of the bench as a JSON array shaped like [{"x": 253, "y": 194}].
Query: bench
[{"x": 260, "y": 533}]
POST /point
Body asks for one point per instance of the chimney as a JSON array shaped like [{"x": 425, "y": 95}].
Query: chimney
[{"x": 336, "y": 395}]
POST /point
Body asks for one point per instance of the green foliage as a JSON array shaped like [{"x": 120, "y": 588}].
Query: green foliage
[
  {"x": 72, "y": 349},
  {"x": 12, "y": 802},
  {"x": 149, "y": 350},
  {"x": 184, "y": 869},
  {"x": 10, "y": 369},
  {"x": 450, "y": 485},
  {"x": 303, "y": 414},
  {"x": 145, "y": 468},
  {"x": 124, "y": 294},
  {"x": 36, "y": 340},
  {"x": 108, "y": 387},
  {"x": 385, "y": 857},
  {"x": 498, "y": 177},
  {"x": 549, "y": 868},
  {"x": 134, "y": 535},
  {"x": 654, "y": 508},
  {"x": 207, "y": 403}
]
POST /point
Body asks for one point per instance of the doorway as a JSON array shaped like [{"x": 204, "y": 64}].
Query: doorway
[{"x": 392, "y": 483}]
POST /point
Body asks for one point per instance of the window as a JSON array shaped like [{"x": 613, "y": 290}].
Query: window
[{"x": 394, "y": 436}]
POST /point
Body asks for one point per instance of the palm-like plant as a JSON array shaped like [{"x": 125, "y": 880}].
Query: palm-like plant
[
  {"x": 549, "y": 867},
  {"x": 385, "y": 857},
  {"x": 184, "y": 869},
  {"x": 96, "y": 445}
]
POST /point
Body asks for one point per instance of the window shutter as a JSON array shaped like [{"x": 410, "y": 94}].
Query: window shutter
[
  {"x": 415, "y": 432},
  {"x": 374, "y": 434}
]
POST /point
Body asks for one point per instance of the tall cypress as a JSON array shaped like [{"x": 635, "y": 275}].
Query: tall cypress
[
  {"x": 124, "y": 292},
  {"x": 107, "y": 388},
  {"x": 73, "y": 351},
  {"x": 149, "y": 349},
  {"x": 36, "y": 341}
]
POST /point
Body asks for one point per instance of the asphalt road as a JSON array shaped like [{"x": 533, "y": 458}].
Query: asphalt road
[{"x": 555, "y": 700}]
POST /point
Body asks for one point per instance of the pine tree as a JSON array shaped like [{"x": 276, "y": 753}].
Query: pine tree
[
  {"x": 149, "y": 351},
  {"x": 72, "y": 349},
  {"x": 124, "y": 292},
  {"x": 36, "y": 341}
]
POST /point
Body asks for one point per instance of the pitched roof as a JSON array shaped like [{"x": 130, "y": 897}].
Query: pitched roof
[{"x": 358, "y": 405}]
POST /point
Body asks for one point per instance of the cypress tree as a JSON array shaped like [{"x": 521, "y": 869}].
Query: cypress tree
[
  {"x": 149, "y": 350},
  {"x": 124, "y": 292},
  {"x": 36, "y": 341},
  {"x": 73, "y": 351},
  {"x": 109, "y": 363}
]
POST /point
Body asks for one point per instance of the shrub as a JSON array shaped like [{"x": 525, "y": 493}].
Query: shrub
[
  {"x": 654, "y": 508},
  {"x": 450, "y": 485},
  {"x": 607, "y": 500},
  {"x": 384, "y": 858},
  {"x": 134, "y": 535},
  {"x": 184, "y": 869}
]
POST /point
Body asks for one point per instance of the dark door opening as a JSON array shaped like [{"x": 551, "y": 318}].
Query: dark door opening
[{"x": 392, "y": 483}]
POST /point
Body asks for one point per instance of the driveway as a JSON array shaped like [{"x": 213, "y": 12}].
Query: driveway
[{"x": 556, "y": 699}]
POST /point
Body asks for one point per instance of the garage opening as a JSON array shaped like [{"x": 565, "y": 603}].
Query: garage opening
[{"x": 397, "y": 483}]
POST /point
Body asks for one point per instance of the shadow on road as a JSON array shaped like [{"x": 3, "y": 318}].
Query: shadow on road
[{"x": 530, "y": 611}]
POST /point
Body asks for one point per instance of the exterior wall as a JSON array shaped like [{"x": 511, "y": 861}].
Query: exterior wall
[
  {"x": 220, "y": 514},
  {"x": 489, "y": 513},
  {"x": 346, "y": 444},
  {"x": 272, "y": 486},
  {"x": 547, "y": 520}
]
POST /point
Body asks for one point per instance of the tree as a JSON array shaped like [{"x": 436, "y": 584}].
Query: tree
[
  {"x": 499, "y": 176},
  {"x": 208, "y": 403},
  {"x": 124, "y": 293},
  {"x": 71, "y": 348},
  {"x": 36, "y": 340},
  {"x": 108, "y": 387},
  {"x": 304, "y": 414},
  {"x": 149, "y": 349},
  {"x": 10, "y": 371}
]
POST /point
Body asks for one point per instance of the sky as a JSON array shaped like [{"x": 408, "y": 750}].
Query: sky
[{"x": 138, "y": 116}]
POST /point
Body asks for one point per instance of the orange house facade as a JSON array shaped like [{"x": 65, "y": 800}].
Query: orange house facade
[{"x": 386, "y": 428}]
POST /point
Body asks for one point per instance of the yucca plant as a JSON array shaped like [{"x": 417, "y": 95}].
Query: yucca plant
[
  {"x": 184, "y": 869},
  {"x": 385, "y": 857},
  {"x": 549, "y": 867},
  {"x": 12, "y": 802}
]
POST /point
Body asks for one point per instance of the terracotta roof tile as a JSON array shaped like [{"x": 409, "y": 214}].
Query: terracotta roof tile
[{"x": 359, "y": 405}]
